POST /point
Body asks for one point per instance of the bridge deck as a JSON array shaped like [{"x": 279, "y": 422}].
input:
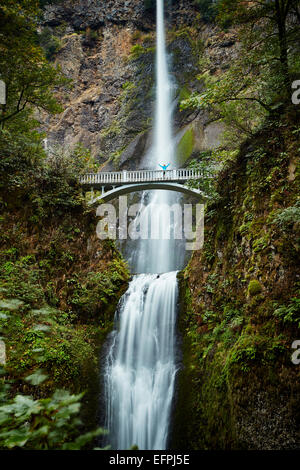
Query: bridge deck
[{"x": 119, "y": 178}]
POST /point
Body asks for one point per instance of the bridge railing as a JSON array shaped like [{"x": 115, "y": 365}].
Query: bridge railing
[{"x": 128, "y": 176}]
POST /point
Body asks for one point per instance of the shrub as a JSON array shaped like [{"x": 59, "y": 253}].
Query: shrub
[{"x": 48, "y": 423}]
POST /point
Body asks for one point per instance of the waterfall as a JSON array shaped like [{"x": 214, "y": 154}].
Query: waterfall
[
  {"x": 162, "y": 255},
  {"x": 140, "y": 371},
  {"x": 163, "y": 145}
]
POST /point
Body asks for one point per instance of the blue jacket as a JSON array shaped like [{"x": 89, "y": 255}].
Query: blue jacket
[{"x": 164, "y": 167}]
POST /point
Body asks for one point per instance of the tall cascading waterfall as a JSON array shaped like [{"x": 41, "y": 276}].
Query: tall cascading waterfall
[
  {"x": 161, "y": 254},
  {"x": 141, "y": 369}
]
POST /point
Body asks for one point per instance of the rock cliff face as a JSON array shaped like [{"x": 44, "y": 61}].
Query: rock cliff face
[
  {"x": 108, "y": 50},
  {"x": 80, "y": 14}
]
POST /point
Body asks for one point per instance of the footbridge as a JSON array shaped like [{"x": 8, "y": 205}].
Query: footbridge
[{"x": 116, "y": 183}]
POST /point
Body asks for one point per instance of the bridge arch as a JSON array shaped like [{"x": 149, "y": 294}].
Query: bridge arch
[{"x": 130, "y": 188}]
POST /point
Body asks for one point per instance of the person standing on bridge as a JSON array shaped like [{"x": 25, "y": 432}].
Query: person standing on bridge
[{"x": 164, "y": 167}]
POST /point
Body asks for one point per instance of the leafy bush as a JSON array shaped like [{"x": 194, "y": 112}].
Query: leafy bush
[
  {"x": 207, "y": 163},
  {"x": 44, "y": 424},
  {"x": 136, "y": 51}
]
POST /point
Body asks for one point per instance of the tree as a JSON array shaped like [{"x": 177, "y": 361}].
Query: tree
[
  {"x": 258, "y": 81},
  {"x": 274, "y": 21},
  {"x": 29, "y": 78}
]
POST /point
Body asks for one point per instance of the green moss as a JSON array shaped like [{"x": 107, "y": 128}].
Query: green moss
[
  {"x": 184, "y": 93},
  {"x": 136, "y": 51},
  {"x": 185, "y": 147},
  {"x": 254, "y": 287},
  {"x": 68, "y": 294},
  {"x": 128, "y": 86}
]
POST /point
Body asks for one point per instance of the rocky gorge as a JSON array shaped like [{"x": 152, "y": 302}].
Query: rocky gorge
[
  {"x": 234, "y": 362},
  {"x": 226, "y": 321}
]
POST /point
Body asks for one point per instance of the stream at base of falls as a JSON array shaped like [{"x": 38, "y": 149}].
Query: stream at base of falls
[{"x": 140, "y": 371}]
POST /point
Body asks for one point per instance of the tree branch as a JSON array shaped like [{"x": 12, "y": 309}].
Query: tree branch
[{"x": 244, "y": 98}]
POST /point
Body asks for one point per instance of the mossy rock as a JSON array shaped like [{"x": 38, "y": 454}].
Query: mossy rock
[
  {"x": 185, "y": 147},
  {"x": 254, "y": 287}
]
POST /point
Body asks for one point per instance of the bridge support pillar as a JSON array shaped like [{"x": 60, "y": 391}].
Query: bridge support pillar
[
  {"x": 92, "y": 193},
  {"x": 102, "y": 190}
]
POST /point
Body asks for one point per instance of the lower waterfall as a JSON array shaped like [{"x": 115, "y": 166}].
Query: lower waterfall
[{"x": 140, "y": 372}]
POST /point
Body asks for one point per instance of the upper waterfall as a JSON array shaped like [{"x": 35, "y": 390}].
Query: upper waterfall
[
  {"x": 162, "y": 254},
  {"x": 163, "y": 146}
]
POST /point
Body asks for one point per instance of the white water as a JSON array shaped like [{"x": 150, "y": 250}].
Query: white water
[
  {"x": 140, "y": 372},
  {"x": 163, "y": 137},
  {"x": 141, "y": 368},
  {"x": 157, "y": 256}
]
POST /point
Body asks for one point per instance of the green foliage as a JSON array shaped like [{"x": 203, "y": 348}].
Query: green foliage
[
  {"x": 50, "y": 43},
  {"x": 237, "y": 331},
  {"x": 100, "y": 289},
  {"x": 128, "y": 86},
  {"x": 51, "y": 342},
  {"x": 49, "y": 183},
  {"x": 29, "y": 77},
  {"x": 208, "y": 9},
  {"x": 36, "y": 378},
  {"x": 30, "y": 81},
  {"x": 43, "y": 424},
  {"x": 184, "y": 93},
  {"x": 286, "y": 218},
  {"x": 288, "y": 313},
  {"x": 258, "y": 81},
  {"x": 71, "y": 163},
  {"x": 208, "y": 162},
  {"x": 11, "y": 304},
  {"x": 136, "y": 51},
  {"x": 66, "y": 338}
]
